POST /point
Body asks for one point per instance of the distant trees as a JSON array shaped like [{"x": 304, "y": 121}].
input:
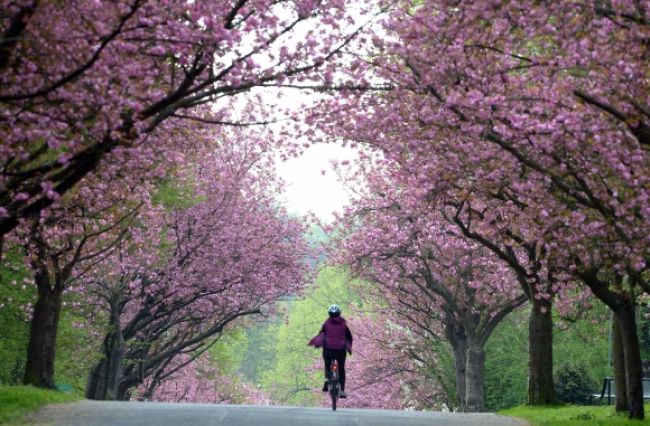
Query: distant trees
[{"x": 390, "y": 367}]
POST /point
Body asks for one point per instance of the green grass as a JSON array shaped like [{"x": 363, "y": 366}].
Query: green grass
[
  {"x": 16, "y": 401},
  {"x": 574, "y": 415}
]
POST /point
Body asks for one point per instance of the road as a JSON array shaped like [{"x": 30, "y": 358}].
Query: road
[{"x": 95, "y": 413}]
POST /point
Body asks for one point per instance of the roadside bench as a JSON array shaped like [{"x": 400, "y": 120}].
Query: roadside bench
[{"x": 609, "y": 391}]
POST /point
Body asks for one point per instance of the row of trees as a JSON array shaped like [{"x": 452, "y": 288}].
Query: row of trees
[
  {"x": 397, "y": 365},
  {"x": 381, "y": 372},
  {"x": 230, "y": 255},
  {"x": 166, "y": 274},
  {"x": 510, "y": 163},
  {"x": 102, "y": 106}
]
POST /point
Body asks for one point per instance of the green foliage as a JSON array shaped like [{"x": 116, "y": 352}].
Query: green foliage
[
  {"x": 506, "y": 362},
  {"x": 444, "y": 373},
  {"x": 572, "y": 384},
  {"x": 174, "y": 194},
  {"x": 229, "y": 351},
  {"x": 16, "y": 401},
  {"x": 585, "y": 342},
  {"x": 582, "y": 341},
  {"x": 260, "y": 354},
  {"x": 15, "y": 294},
  {"x": 574, "y": 415},
  {"x": 644, "y": 331},
  {"x": 77, "y": 348}
]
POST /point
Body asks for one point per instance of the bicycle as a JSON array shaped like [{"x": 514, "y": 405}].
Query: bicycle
[{"x": 333, "y": 383}]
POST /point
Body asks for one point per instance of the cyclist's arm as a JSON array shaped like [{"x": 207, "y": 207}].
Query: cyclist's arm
[{"x": 348, "y": 334}]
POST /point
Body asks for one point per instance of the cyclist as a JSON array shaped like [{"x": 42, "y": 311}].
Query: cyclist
[{"x": 336, "y": 339}]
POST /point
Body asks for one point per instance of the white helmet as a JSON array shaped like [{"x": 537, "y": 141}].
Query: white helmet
[{"x": 334, "y": 309}]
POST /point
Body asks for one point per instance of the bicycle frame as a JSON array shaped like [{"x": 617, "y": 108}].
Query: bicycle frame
[{"x": 333, "y": 383}]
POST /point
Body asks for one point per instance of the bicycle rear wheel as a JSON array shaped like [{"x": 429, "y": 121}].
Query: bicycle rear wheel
[
  {"x": 334, "y": 383},
  {"x": 334, "y": 393}
]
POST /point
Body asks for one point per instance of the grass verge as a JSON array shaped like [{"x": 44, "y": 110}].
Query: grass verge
[
  {"x": 574, "y": 415},
  {"x": 16, "y": 401}
]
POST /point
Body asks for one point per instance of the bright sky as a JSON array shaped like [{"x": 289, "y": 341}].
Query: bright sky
[{"x": 307, "y": 188}]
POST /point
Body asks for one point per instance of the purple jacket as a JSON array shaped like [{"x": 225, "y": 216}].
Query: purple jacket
[{"x": 334, "y": 334}]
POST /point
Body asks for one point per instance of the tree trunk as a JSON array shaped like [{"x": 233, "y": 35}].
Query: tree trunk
[
  {"x": 39, "y": 369},
  {"x": 632, "y": 355},
  {"x": 460, "y": 362},
  {"x": 458, "y": 340},
  {"x": 115, "y": 358},
  {"x": 475, "y": 378},
  {"x": 620, "y": 388},
  {"x": 124, "y": 389},
  {"x": 106, "y": 374},
  {"x": 541, "y": 390},
  {"x": 96, "y": 381}
]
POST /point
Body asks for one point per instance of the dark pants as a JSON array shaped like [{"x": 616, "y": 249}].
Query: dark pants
[{"x": 339, "y": 355}]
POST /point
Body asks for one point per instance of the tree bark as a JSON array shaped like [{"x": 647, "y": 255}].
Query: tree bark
[
  {"x": 541, "y": 390},
  {"x": 458, "y": 340},
  {"x": 124, "y": 390},
  {"x": 460, "y": 362},
  {"x": 618, "y": 355},
  {"x": 107, "y": 373},
  {"x": 632, "y": 354},
  {"x": 623, "y": 303},
  {"x": 39, "y": 369},
  {"x": 115, "y": 354},
  {"x": 96, "y": 380},
  {"x": 115, "y": 371},
  {"x": 475, "y": 378}
]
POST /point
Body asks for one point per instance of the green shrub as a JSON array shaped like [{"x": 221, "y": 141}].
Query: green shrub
[{"x": 573, "y": 384}]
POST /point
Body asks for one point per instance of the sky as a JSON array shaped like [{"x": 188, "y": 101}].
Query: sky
[{"x": 308, "y": 189}]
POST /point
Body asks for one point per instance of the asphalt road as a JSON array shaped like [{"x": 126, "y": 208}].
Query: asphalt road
[{"x": 94, "y": 413}]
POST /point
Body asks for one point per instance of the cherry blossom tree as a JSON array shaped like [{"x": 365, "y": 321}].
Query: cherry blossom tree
[
  {"x": 203, "y": 381},
  {"x": 82, "y": 229},
  {"x": 54, "y": 257},
  {"x": 485, "y": 209},
  {"x": 79, "y": 231},
  {"x": 229, "y": 254},
  {"x": 557, "y": 94},
  {"x": 391, "y": 366},
  {"x": 435, "y": 279},
  {"x": 81, "y": 79}
]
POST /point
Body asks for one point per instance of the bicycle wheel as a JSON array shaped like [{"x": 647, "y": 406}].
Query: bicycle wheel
[
  {"x": 334, "y": 393},
  {"x": 334, "y": 383}
]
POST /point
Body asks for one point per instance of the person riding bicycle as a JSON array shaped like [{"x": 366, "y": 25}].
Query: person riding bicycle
[{"x": 336, "y": 339}]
